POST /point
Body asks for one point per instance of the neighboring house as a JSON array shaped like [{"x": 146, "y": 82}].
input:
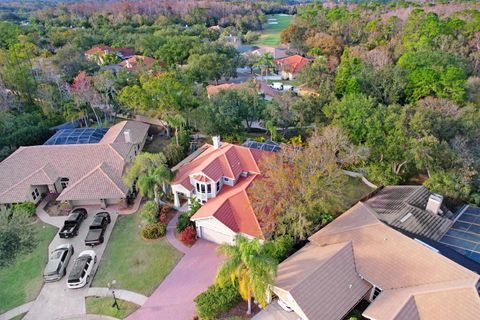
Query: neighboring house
[
  {"x": 233, "y": 40},
  {"x": 413, "y": 209},
  {"x": 215, "y": 89},
  {"x": 357, "y": 257},
  {"x": 96, "y": 53},
  {"x": 264, "y": 89},
  {"x": 277, "y": 53},
  {"x": 218, "y": 177},
  {"x": 290, "y": 66},
  {"x": 137, "y": 63},
  {"x": 81, "y": 174}
]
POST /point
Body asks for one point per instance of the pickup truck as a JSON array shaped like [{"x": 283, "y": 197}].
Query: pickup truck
[
  {"x": 72, "y": 223},
  {"x": 97, "y": 229}
]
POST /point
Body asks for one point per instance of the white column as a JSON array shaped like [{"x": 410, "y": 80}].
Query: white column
[{"x": 176, "y": 200}]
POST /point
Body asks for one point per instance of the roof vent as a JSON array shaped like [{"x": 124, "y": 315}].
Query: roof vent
[
  {"x": 216, "y": 142},
  {"x": 405, "y": 218},
  {"x": 127, "y": 135},
  {"x": 434, "y": 203}
]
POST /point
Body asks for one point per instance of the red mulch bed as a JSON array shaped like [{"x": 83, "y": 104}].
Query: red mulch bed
[{"x": 240, "y": 310}]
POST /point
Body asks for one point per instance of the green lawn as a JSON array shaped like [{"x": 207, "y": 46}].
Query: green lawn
[
  {"x": 22, "y": 281},
  {"x": 271, "y": 33},
  {"x": 103, "y": 306},
  {"x": 135, "y": 264}
]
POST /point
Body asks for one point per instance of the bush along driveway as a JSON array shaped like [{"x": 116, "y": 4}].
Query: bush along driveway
[{"x": 195, "y": 272}]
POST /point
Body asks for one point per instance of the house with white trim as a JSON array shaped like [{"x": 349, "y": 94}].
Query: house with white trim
[{"x": 219, "y": 178}]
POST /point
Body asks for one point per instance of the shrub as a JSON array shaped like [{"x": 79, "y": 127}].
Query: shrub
[
  {"x": 280, "y": 248},
  {"x": 25, "y": 207},
  {"x": 165, "y": 209},
  {"x": 188, "y": 235},
  {"x": 183, "y": 221},
  {"x": 173, "y": 153},
  {"x": 154, "y": 230},
  {"x": 163, "y": 218},
  {"x": 149, "y": 212},
  {"x": 216, "y": 300}
]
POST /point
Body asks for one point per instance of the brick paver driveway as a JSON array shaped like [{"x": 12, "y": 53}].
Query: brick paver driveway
[{"x": 173, "y": 299}]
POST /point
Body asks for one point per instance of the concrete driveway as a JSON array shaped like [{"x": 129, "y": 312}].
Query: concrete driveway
[
  {"x": 173, "y": 299},
  {"x": 274, "y": 312},
  {"x": 55, "y": 300}
]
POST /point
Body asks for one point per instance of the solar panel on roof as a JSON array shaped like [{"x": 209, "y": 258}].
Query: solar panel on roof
[
  {"x": 464, "y": 235},
  {"x": 77, "y": 136}
]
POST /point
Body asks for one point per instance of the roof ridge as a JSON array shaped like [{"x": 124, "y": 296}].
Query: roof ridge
[
  {"x": 24, "y": 179},
  {"x": 70, "y": 187},
  {"x": 111, "y": 147},
  {"x": 105, "y": 165}
]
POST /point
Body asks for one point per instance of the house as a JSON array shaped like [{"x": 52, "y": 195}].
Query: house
[
  {"x": 219, "y": 177},
  {"x": 82, "y": 174},
  {"x": 290, "y": 66},
  {"x": 215, "y": 89},
  {"x": 413, "y": 209},
  {"x": 96, "y": 53},
  {"x": 277, "y": 53},
  {"x": 357, "y": 257},
  {"x": 266, "y": 91},
  {"x": 136, "y": 63}
]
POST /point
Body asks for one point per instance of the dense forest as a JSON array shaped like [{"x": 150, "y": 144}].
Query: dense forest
[{"x": 402, "y": 79}]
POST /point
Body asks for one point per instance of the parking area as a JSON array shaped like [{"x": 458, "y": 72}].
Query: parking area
[
  {"x": 274, "y": 312},
  {"x": 55, "y": 300}
]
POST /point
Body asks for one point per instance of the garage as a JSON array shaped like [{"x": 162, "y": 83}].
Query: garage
[{"x": 214, "y": 236}]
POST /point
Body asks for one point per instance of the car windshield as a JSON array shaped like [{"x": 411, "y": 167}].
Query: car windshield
[
  {"x": 78, "y": 267},
  {"x": 56, "y": 254}
]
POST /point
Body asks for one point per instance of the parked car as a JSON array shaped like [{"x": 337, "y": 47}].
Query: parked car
[
  {"x": 284, "y": 306},
  {"x": 72, "y": 223},
  {"x": 57, "y": 263},
  {"x": 82, "y": 269},
  {"x": 287, "y": 87},
  {"x": 277, "y": 85},
  {"x": 97, "y": 229}
]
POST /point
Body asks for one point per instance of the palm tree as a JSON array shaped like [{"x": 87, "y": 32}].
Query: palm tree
[
  {"x": 149, "y": 183},
  {"x": 248, "y": 265},
  {"x": 266, "y": 62},
  {"x": 151, "y": 171},
  {"x": 177, "y": 121}
]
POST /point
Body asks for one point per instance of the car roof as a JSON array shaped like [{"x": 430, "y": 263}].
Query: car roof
[{"x": 78, "y": 267}]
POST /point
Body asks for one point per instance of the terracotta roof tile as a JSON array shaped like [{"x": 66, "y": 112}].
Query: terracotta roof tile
[
  {"x": 215, "y": 89},
  {"x": 292, "y": 64}
]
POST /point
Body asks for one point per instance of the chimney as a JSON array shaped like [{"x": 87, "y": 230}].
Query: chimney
[
  {"x": 128, "y": 137},
  {"x": 216, "y": 142},
  {"x": 434, "y": 203}
]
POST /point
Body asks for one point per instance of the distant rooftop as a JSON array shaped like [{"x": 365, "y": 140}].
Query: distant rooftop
[
  {"x": 77, "y": 136},
  {"x": 268, "y": 145}
]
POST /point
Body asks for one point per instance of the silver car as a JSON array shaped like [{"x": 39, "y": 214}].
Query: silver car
[{"x": 57, "y": 263}]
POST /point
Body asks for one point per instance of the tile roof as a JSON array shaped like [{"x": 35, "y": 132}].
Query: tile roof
[
  {"x": 228, "y": 161},
  {"x": 292, "y": 64},
  {"x": 100, "y": 49},
  {"x": 115, "y": 134},
  {"x": 135, "y": 62},
  {"x": 215, "y": 89},
  {"x": 413, "y": 278},
  {"x": 403, "y": 207},
  {"x": 94, "y": 170},
  {"x": 232, "y": 208}
]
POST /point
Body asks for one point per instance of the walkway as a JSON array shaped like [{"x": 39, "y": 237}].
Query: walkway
[
  {"x": 45, "y": 217},
  {"x": 16, "y": 311},
  {"x": 195, "y": 272},
  {"x": 126, "y": 295}
]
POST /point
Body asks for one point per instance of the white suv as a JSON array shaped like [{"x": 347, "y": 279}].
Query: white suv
[{"x": 82, "y": 268}]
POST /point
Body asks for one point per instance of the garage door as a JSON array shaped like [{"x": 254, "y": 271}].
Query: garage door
[{"x": 215, "y": 236}]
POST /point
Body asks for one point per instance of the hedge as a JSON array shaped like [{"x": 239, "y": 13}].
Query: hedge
[{"x": 216, "y": 300}]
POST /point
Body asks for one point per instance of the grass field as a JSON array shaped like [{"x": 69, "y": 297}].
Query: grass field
[
  {"x": 103, "y": 306},
  {"x": 135, "y": 264},
  {"x": 271, "y": 33},
  {"x": 22, "y": 281}
]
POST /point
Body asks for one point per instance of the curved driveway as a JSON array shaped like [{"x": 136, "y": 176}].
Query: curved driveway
[{"x": 195, "y": 272}]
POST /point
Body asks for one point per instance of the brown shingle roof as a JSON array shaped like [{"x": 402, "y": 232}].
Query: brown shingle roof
[
  {"x": 315, "y": 268},
  {"x": 393, "y": 203},
  {"x": 400, "y": 266}
]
